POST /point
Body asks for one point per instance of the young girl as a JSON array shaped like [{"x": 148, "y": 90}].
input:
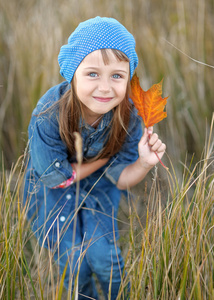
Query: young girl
[{"x": 79, "y": 224}]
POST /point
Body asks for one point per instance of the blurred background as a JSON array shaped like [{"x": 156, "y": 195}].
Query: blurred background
[{"x": 171, "y": 37}]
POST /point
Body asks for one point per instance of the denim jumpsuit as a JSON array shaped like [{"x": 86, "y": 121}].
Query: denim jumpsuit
[{"x": 78, "y": 224}]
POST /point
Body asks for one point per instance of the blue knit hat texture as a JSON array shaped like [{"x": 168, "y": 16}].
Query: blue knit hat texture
[{"x": 94, "y": 34}]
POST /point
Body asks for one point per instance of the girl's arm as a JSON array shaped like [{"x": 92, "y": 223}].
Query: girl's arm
[
  {"x": 134, "y": 173},
  {"x": 87, "y": 169}
]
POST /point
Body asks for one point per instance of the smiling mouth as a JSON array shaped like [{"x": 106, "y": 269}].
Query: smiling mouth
[{"x": 102, "y": 99}]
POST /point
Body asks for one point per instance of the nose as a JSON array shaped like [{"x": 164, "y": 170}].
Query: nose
[{"x": 104, "y": 85}]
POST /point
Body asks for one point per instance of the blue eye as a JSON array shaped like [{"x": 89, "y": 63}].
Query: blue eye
[
  {"x": 116, "y": 76},
  {"x": 93, "y": 74}
]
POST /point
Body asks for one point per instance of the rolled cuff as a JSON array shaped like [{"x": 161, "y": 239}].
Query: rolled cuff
[
  {"x": 113, "y": 173},
  {"x": 60, "y": 171}
]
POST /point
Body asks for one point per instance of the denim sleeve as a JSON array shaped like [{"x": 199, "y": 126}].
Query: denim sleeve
[
  {"x": 48, "y": 152},
  {"x": 129, "y": 151}
]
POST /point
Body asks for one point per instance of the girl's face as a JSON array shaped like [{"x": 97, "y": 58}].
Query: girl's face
[{"x": 101, "y": 87}]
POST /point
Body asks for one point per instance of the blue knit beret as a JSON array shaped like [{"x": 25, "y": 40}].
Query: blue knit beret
[{"x": 91, "y": 35}]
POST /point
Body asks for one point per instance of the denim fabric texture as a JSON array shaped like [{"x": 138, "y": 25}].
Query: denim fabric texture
[{"x": 52, "y": 211}]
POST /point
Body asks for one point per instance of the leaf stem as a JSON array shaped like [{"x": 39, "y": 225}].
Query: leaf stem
[
  {"x": 161, "y": 161},
  {"x": 159, "y": 158}
]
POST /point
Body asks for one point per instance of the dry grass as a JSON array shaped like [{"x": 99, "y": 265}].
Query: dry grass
[
  {"x": 31, "y": 33},
  {"x": 169, "y": 253}
]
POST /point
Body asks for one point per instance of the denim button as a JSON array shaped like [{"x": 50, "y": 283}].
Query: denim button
[
  {"x": 57, "y": 164},
  {"x": 68, "y": 196},
  {"x": 62, "y": 218}
]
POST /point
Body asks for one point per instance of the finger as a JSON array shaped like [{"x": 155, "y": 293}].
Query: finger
[
  {"x": 156, "y": 145},
  {"x": 144, "y": 138},
  {"x": 162, "y": 148},
  {"x": 153, "y": 139},
  {"x": 150, "y": 130}
]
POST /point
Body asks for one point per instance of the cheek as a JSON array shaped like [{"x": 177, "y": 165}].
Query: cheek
[
  {"x": 121, "y": 91},
  {"x": 82, "y": 89}
]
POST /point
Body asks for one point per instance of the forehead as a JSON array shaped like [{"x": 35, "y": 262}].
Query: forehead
[{"x": 97, "y": 57}]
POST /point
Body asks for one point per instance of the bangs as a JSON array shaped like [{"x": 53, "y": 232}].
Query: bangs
[{"x": 120, "y": 56}]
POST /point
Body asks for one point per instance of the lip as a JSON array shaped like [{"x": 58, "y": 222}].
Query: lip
[{"x": 103, "y": 99}]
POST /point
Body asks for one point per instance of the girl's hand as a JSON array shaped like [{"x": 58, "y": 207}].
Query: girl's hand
[{"x": 148, "y": 145}]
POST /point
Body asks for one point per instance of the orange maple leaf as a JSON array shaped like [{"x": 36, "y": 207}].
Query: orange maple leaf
[{"x": 150, "y": 104}]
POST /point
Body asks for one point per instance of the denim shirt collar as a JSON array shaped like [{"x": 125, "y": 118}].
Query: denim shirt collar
[{"x": 105, "y": 122}]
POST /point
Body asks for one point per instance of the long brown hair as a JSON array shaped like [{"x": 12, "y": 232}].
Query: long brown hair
[{"x": 71, "y": 108}]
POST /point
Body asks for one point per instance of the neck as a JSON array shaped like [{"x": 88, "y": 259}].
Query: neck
[
  {"x": 92, "y": 118},
  {"x": 96, "y": 122}
]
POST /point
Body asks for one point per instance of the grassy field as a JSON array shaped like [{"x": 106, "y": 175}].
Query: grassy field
[
  {"x": 168, "y": 237},
  {"x": 168, "y": 249},
  {"x": 170, "y": 35}
]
